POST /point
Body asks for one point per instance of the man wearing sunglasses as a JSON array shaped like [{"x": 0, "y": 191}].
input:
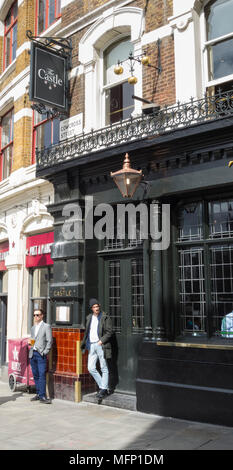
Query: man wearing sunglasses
[{"x": 41, "y": 343}]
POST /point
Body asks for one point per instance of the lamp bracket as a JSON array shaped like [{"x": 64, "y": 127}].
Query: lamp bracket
[
  {"x": 147, "y": 185},
  {"x": 138, "y": 58}
]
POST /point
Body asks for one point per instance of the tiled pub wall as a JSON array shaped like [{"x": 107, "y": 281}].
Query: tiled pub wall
[{"x": 63, "y": 365}]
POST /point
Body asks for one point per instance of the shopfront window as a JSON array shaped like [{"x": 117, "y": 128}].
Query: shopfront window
[
  {"x": 4, "y": 282},
  {"x": 40, "y": 265},
  {"x": 205, "y": 257},
  {"x": 118, "y": 92},
  {"x": 7, "y": 132},
  {"x": 40, "y": 281},
  {"x": 219, "y": 43}
]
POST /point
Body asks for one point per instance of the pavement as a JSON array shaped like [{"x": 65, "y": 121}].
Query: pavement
[{"x": 64, "y": 425}]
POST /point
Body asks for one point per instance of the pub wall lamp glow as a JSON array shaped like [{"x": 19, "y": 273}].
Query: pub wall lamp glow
[
  {"x": 127, "y": 179},
  {"x": 143, "y": 59}
]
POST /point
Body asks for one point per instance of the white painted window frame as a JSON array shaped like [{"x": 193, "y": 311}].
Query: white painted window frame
[{"x": 207, "y": 83}]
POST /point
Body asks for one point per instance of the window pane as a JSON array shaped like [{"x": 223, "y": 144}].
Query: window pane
[
  {"x": 137, "y": 280},
  {"x": 115, "y": 294},
  {"x": 190, "y": 222},
  {"x": 7, "y": 49},
  {"x": 5, "y": 282},
  {"x": 43, "y": 135},
  {"x": 38, "y": 117},
  {"x": 6, "y": 162},
  {"x": 51, "y": 11},
  {"x": 221, "y": 59},
  {"x": 119, "y": 103},
  {"x": 41, "y": 15},
  {"x": 222, "y": 289},
  {"x": 113, "y": 54},
  {"x": 221, "y": 219},
  {"x": 15, "y": 10},
  {"x": 58, "y": 8},
  {"x": 10, "y": 37},
  {"x": 192, "y": 291},
  {"x": 7, "y": 129},
  {"x": 8, "y": 20},
  {"x": 219, "y": 16},
  {"x": 56, "y": 127},
  {"x": 40, "y": 279},
  {"x": 14, "y": 42}
]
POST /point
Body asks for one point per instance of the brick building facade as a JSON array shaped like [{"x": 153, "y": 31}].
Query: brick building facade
[{"x": 167, "y": 305}]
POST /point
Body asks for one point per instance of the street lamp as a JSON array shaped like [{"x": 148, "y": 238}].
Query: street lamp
[{"x": 127, "y": 179}]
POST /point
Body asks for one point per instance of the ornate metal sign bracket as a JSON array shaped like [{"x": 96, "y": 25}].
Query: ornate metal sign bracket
[{"x": 65, "y": 44}]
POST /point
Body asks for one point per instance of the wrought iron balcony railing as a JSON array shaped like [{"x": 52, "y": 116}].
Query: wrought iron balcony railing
[{"x": 164, "y": 120}]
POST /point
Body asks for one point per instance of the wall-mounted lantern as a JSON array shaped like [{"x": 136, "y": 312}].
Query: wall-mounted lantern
[{"x": 127, "y": 179}]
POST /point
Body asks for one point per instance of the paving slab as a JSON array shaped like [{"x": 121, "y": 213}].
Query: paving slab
[{"x": 86, "y": 426}]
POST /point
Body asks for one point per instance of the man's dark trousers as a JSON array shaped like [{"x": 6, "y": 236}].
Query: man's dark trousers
[{"x": 39, "y": 368}]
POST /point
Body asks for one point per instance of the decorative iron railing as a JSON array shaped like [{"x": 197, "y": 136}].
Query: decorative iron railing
[{"x": 146, "y": 125}]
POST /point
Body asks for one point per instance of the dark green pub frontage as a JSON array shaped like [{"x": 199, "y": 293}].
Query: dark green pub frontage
[{"x": 170, "y": 307}]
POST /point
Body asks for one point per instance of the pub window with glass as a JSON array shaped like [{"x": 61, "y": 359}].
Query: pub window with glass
[
  {"x": 119, "y": 103},
  {"x": 205, "y": 268}
]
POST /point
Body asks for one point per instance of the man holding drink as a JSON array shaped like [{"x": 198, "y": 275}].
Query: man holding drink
[{"x": 40, "y": 342}]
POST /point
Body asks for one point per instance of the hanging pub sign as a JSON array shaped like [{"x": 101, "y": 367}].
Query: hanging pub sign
[{"x": 48, "y": 77}]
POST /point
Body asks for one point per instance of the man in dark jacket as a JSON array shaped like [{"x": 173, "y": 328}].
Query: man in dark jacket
[{"x": 97, "y": 340}]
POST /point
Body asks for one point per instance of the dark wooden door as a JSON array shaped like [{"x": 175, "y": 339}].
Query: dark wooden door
[{"x": 124, "y": 301}]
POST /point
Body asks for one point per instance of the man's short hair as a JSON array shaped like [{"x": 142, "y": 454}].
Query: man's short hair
[{"x": 39, "y": 310}]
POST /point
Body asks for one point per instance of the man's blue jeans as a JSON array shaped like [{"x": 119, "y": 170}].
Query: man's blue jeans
[
  {"x": 39, "y": 368},
  {"x": 96, "y": 352}
]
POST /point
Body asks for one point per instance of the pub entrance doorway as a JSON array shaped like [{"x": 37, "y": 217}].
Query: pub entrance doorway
[{"x": 124, "y": 302}]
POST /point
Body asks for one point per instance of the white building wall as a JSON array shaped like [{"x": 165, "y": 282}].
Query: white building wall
[{"x": 23, "y": 212}]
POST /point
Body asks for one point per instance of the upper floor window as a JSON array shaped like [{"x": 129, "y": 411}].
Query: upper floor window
[
  {"x": 119, "y": 103},
  {"x": 10, "y": 35},
  {"x": 45, "y": 132},
  {"x": 47, "y": 11},
  {"x": 219, "y": 14},
  {"x": 6, "y": 130}
]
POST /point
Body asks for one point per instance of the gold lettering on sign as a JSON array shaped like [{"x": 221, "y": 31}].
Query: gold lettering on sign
[{"x": 62, "y": 292}]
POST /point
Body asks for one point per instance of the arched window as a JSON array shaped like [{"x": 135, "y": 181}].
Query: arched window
[
  {"x": 119, "y": 103},
  {"x": 108, "y": 97},
  {"x": 219, "y": 23}
]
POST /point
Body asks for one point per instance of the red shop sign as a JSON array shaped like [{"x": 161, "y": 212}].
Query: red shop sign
[
  {"x": 4, "y": 251},
  {"x": 39, "y": 250}
]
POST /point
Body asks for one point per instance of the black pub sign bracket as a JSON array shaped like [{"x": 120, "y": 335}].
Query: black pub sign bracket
[{"x": 50, "y": 62}]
